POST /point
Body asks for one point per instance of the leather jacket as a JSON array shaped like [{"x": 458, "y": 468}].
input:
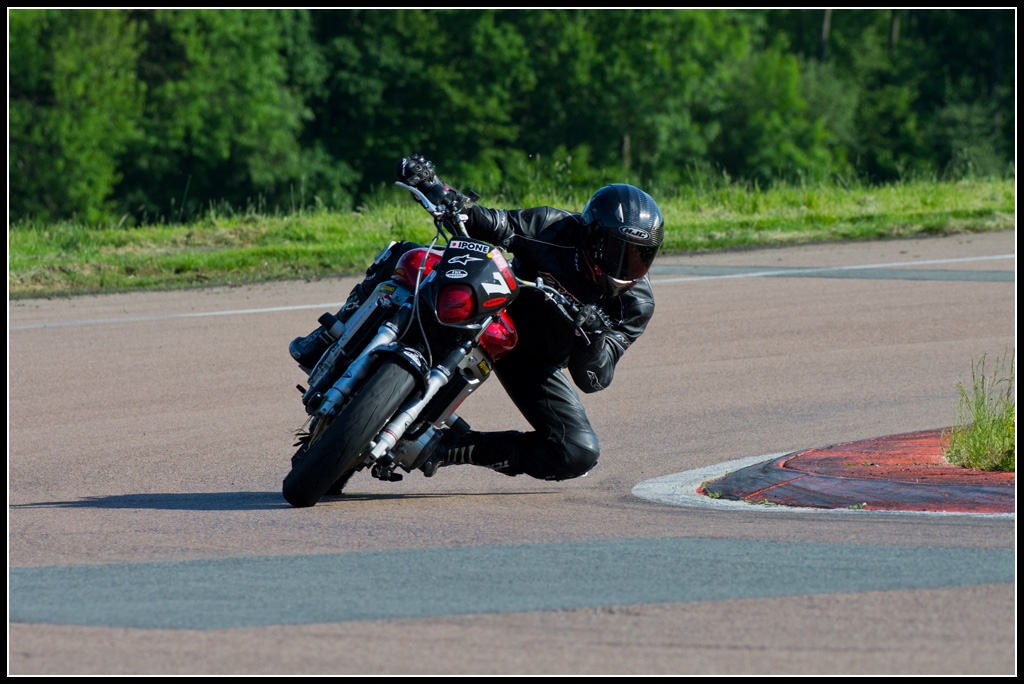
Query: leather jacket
[{"x": 546, "y": 242}]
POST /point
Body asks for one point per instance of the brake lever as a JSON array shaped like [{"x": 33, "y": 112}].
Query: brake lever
[
  {"x": 564, "y": 306},
  {"x": 447, "y": 214},
  {"x": 434, "y": 210}
]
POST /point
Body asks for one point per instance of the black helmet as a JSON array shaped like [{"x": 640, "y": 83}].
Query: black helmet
[{"x": 623, "y": 229}]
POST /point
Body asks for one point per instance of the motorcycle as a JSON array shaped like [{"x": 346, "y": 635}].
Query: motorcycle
[{"x": 409, "y": 356}]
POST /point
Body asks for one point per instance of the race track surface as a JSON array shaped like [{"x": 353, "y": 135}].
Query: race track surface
[{"x": 149, "y": 434}]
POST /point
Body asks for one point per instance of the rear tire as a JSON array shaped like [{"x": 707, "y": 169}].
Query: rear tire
[{"x": 338, "y": 451}]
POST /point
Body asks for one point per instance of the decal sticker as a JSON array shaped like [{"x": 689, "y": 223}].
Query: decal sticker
[
  {"x": 484, "y": 368},
  {"x": 497, "y": 301},
  {"x": 415, "y": 356},
  {"x": 495, "y": 289},
  {"x": 509, "y": 278},
  {"x": 471, "y": 246},
  {"x": 635, "y": 233},
  {"x": 498, "y": 259},
  {"x": 463, "y": 259},
  {"x": 455, "y": 273}
]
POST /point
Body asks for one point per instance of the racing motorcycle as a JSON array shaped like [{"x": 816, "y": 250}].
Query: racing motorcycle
[{"x": 402, "y": 364}]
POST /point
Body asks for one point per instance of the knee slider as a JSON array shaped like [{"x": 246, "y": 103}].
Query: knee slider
[{"x": 577, "y": 455}]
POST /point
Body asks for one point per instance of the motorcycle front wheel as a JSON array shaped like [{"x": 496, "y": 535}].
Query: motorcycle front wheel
[{"x": 337, "y": 451}]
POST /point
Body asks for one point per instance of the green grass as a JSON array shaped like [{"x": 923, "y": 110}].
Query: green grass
[
  {"x": 225, "y": 248},
  {"x": 984, "y": 430}
]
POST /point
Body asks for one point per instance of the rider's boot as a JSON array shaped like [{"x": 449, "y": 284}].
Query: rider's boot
[
  {"x": 308, "y": 350},
  {"x": 432, "y": 446},
  {"x": 461, "y": 446}
]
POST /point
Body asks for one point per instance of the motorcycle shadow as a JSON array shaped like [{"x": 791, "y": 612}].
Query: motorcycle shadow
[
  {"x": 176, "y": 501},
  {"x": 238, "y": 501},
  {"x": 418, "y": 496}
]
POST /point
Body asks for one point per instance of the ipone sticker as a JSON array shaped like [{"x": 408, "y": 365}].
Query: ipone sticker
[{"x": 471, "y": 246}]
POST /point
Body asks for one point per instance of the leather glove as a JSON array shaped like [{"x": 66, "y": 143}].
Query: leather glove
[
  {"x": 592, "y": 320},
  {"x": 419, "y": 173},
  {"x": 416, "y": 171}
]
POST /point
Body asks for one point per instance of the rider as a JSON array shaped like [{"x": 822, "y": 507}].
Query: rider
[{"x": 599, "y": 259}]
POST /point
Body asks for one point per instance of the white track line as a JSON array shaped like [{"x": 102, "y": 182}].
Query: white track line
[{"x": 658, "y": 281}]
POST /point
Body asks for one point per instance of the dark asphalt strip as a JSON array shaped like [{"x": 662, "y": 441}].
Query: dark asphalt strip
[
  {"x": 373, "y": 585},
  {"x": 881, "y": 273}
]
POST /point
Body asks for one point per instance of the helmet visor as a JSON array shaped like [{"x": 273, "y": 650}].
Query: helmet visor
[{"x": 620, "y": 257}]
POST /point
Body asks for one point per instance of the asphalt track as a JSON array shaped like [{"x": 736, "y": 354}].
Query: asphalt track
[{"x": 147, "y": 436}]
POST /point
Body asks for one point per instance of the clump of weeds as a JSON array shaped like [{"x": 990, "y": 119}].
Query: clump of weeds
[{"x": 983, "y": 436}]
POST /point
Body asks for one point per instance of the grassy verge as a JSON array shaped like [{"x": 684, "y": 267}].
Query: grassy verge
[
  {"x": 983, "y": 436},
  {"x": 67, "y": 258}
]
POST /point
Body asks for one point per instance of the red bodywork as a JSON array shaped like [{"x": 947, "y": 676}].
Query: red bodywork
[
  {"x": 501, "y": 335},
  {"x": 500, "y": 338},
  {"x": 409, "y": 265}
]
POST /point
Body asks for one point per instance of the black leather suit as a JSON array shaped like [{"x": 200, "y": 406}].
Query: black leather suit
[{"x": 545, "y": 242}]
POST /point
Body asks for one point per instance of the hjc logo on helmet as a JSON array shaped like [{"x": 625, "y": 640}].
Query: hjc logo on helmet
[{"x": 637, "y": 233}]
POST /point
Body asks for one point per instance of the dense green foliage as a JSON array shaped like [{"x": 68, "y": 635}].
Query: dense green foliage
[
  {"x": 75, "y": 105},
  {"x": 123, "y": 117}
]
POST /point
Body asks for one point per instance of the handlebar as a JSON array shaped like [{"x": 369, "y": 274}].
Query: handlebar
[
  {"x": 447, "y": 206},
  {"x": 565, "y": 305},
  {"x": 448, "y": 209}
]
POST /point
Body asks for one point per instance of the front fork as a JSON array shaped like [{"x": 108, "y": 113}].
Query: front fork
[
  {"x": 382, "y": 451},
  {"x": 386, "y": 300}
]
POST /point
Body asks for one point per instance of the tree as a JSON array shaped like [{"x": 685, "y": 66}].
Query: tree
[
  {"x": 933, "y": 88},
  {"x": 768, "y": 133},
  {"x": 225, "y": 114},
  {"x": 74, "y": 104}
]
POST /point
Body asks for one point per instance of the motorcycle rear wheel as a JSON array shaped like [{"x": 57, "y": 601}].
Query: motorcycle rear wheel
[{"x": 338, "y": 450}]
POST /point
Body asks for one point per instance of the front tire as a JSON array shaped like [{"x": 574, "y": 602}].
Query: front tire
[{"x": 337, "y": 452}]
